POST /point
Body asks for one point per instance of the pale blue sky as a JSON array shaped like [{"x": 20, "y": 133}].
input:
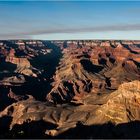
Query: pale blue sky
[{"x": 70, "y": 20}]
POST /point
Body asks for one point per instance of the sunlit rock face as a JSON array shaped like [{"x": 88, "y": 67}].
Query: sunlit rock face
[
  {"x": 121, "y": 106},
  {"x": 92, "y": 67},
  {"x": 50, "y": 89},
  {"x": 15, "y": 62},
  {"x": 20, "y": 69}
]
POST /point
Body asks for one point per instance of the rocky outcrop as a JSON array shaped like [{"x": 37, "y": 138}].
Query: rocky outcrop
[
  {"x": 93, "y": 69},
  {"x": 20, "y": 62},
  {"x": 121, "y": 106},
  {"x": 97, "y": 84},
  {"x": 12, "y": 95},
  {"x": 13, "y": 81},
  {"x": 23, "y": 64}
]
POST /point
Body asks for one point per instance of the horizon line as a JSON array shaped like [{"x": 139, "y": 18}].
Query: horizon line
[{"x": 68, "y": 39}]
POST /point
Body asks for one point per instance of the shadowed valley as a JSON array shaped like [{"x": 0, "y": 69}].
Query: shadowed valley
[{"x": 55, "y": 89}]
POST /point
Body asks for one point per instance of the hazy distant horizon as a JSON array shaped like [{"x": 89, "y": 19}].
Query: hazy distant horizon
[
  {"x": 70, "y": 20},
  {"x": 71, "y": 39}
]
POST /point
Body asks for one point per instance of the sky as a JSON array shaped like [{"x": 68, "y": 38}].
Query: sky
[{"x": 65, "y": 20}]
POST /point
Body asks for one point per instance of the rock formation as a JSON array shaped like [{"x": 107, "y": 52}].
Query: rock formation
[
  {"x": 93, "y": 69},
  {"x": 56, "y": 89},
  {"x": 121, "y": 106}
]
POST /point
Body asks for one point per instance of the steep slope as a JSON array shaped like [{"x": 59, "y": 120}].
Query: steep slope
[
  {"x": 121, "y": 106},
  {"x": 96, "y": 82},
  {"x": 97, "y": 68}
]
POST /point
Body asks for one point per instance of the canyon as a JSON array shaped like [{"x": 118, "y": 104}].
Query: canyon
[{"x": 69, "y": 89}]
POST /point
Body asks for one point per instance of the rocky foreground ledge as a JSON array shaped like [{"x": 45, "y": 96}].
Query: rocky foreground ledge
[{"x": 107, "y": 116}]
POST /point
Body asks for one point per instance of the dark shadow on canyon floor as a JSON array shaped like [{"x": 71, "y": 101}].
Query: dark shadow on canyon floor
[
  {"x": 37, "y": 129},
  {"x": 88, "y": 66},
  {"x": 105, "y": 131},
  {"x": 38, "y": 87}
]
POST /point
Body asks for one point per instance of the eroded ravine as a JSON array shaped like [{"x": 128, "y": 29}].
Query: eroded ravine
[{"x": 47, "y": 65}]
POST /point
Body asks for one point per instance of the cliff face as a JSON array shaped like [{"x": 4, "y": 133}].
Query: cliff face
[
  {"x": 18, "y": 71},
  {"x": 98, "y": 68},
  {"x": 51, "y": 88},
  {"x": 20, "y": 55},
  {"x": 121, "y": 106}
]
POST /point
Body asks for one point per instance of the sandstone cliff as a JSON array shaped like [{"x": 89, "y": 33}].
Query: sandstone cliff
[
  {"x": 121, "y": 106},
  {"x": 93, "y": 69}
]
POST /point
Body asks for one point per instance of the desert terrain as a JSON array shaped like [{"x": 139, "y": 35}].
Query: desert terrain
[{"x": 69, "y": 89}]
